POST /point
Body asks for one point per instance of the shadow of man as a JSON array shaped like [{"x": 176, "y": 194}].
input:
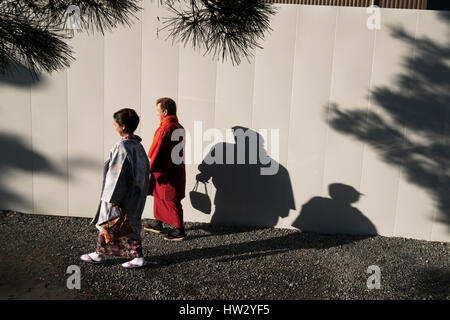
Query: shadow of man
[
  {"x": 252, "y": 189},
  {"x": 334, "y": 215}
]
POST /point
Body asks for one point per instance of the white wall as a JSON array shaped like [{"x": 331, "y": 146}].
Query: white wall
[{"x": 315, "y": 59}]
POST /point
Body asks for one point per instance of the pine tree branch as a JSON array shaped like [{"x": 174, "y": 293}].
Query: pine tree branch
[
  {"x": 26, "y": 39},
  {"x": 33, "y": 34},
  {"x": 224, "y": 28}
]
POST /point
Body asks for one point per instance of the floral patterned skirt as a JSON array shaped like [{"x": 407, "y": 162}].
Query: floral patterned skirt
[{"x": 122, "y": 247}]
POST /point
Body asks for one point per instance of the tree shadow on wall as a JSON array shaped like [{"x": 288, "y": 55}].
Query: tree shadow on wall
[
  {"x": 415, "y": 134},
  {"x": 19, "y": 75},
  {"x": 18, "y": 159}
]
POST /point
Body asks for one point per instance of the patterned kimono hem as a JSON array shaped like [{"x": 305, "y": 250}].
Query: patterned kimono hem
[{"x": 122, "y": 247}]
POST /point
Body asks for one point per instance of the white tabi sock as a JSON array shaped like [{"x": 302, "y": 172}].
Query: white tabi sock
[
  {"x": 96, "y": 256},
  {"x": 137, "y": 261}
]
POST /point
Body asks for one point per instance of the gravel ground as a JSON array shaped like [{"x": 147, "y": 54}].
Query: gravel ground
[{"x": 217, "y": 263}]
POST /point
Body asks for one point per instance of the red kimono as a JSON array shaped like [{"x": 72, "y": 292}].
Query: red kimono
[{"x": 167, "y": 179}]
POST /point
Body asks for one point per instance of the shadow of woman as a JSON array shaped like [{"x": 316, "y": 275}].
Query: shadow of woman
[
  {"x": 252, "y": 189},
  {"x": 334, "y": 215}
]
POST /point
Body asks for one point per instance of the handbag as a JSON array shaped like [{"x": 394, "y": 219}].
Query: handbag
[
  {"x": 117, "y": 227},
  {"x": 200, "y": 201}
]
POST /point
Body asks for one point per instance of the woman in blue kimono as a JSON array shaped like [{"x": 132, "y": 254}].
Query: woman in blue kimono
[{"x": 125, "y": 186}]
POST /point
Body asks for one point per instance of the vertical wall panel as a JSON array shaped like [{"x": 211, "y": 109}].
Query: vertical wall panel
[
  {"x": 159, "y": 71},
  {"x": 441, "y": 226},
  {"x": 159, "y": 75},
  {"x": 16, "y": 170},
  {"x": 352, "y": 67},
  {"x": 234, "y": 95},
  {"x": 310, "y": 92},
  {"x": 85, "y": 131},
  {"x": 415, "y": 211},
  {"x": 122, "y": 77},
  {"x": 233, "y": 107},
  {"x": 196, "y": 102},
  {"x": 272, "y": 100},
  {"x": 380, "y": 178},
  {"x": 197, "y": 87},
  {"x": 49, "y": 140},
  {"x": 425, "y": 114},
  {"x": 273, "y": 78},
  {"x": 437, "y": 24}
]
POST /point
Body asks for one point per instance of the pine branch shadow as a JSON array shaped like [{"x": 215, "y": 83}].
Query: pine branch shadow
[{"x": 409, "y": 123}]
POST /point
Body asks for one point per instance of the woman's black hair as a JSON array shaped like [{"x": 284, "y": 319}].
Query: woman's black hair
[{"x": 127, "y": 117}]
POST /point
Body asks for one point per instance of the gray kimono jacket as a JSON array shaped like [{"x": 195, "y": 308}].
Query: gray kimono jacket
[{"x": 125, "y": 182}]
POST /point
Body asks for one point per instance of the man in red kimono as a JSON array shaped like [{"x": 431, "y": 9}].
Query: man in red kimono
[{"x": 167, "y": 172}]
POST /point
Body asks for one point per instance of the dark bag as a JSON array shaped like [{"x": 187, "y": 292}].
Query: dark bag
[
  {"x": 200, "y": 201},
  {"x": 117, "y": 227}
]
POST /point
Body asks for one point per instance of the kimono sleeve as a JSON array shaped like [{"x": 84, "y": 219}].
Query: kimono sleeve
[{"x": 119, "y": 177}]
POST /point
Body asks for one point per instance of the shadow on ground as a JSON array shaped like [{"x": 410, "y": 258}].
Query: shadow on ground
[{"x": 294, "y": 240}]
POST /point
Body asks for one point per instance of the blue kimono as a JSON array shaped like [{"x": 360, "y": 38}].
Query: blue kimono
[{"x": 125, "y": 183}]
